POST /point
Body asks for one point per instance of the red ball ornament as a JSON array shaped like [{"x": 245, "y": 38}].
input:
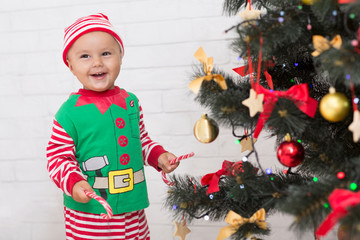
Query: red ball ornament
[{"x": 290, "y": 153}]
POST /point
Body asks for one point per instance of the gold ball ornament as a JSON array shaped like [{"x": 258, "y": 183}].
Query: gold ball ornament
[
  {"x": 206, "y": 129},
  {"x": 308, "y": 2},
  {"x": 334, "y": 106}
]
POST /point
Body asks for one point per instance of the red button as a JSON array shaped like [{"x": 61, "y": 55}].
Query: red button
[
  {"x": 124, "y": 159},
  {"x": 123, "y": 141},
  {"x": 120, "y": 123}
]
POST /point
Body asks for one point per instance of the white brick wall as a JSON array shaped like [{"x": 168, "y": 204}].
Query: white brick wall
[{"x": 160, "y": 39}]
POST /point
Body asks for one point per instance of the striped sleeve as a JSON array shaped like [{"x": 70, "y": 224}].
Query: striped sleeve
[
  {"x": 151, "y": 150},
  {"x": 62, "y": 166}
]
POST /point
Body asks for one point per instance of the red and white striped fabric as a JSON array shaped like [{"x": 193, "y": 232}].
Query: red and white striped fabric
[
  {"x": 91, "y": 23},
  {"x": 87, "y": 226}
]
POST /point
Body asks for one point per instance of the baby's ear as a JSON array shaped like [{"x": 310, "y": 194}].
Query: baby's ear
[{"x": 69, "y": 64}]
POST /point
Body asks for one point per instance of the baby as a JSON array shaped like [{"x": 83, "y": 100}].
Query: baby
[{"x": 99, "y": 142}]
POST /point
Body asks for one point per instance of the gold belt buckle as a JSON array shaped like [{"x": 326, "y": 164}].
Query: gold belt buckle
[{"x": 123, "y": 177}]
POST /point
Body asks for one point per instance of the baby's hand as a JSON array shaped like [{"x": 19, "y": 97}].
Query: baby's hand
[
  {"x": 164, "y": 162},
  {"x": 78, "y": 193}
]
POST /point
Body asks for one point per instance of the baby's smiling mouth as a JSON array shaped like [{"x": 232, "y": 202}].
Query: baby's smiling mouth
[{"x": 99, "y": 75}]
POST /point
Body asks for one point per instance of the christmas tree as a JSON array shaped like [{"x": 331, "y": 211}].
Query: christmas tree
[{"x": 299, "y": 82}]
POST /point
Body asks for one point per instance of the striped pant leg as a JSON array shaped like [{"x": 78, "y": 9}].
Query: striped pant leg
[{"x": 87, "y": 226}]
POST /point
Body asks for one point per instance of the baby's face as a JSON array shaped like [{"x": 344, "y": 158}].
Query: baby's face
[{"x": 95, "y": 59}]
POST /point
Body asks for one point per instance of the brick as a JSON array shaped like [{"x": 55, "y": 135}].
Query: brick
[
  {"x": 153, "y": 78},
  {"x": 7, "y": 172},
  {"x": 38, "y": 19},
  {"x": 47, "y": 84},
  {"x": 42, "y": 231},
  {"x": 14, "y": 230},
  {"x": 12, "y": 64},
  {"x": 151, "y": 102},
  {"x": 173, "y": 55},
  {"x": 54, "y": 103},
  {"x": 20, "y": 42},
  {"x": 179, "y": 100},
  {"x": 179, "y": 123},
  {"x": 10, "y": 85},
  {"x": 31, "y": 170},
  {"x": 13, "y": 149},
  {"x": 39, "y": 63},
  {"x": 12, "y": 5}
]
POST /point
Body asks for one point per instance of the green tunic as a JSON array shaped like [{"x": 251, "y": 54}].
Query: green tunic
[{"x": 107, "y": 148}]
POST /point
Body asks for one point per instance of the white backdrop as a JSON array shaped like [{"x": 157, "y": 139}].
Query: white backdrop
[{"x": 160, "y": 38}]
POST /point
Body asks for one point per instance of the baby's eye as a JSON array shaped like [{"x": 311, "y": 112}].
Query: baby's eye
[
  {"x": 106, "y": 53},
  {"x": 84, "y": 56}
]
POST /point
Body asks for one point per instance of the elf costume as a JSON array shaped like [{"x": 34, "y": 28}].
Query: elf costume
[{"x": 100, "y": 137}]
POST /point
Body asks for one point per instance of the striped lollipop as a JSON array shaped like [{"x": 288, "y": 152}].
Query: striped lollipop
[
  {"x": 173, "y": 162},
  {"x": 103, "y": 202}
]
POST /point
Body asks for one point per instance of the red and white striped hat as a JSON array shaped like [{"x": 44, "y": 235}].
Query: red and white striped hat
[{"x": 91, "y": 23}]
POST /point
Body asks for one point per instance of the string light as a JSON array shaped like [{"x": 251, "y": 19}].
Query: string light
[
  {"x": 281, "y": 19},
  {"x": 340, "y": 175},
  {"x": 309, "y": 27},
  {"x": 334, "y": 13},
  {"x": 285, "y": 171},
  {"x": 326, "y": 205},
  {"x": 244, "y": 158},
  {"x": 348, "y": 76},
  {"x": 211, "y": 196},
  {"x": 356, "y": 100},
  {"x": 282, "y": 13},
  {"x": 174, "y": 207},
  {"x": 299, "y": 7},
  {"x": 237, "y": 141},
  {"x": 299, "y": 141},
  {"x": 315, "y": 179},
  {"x": 352, "y": 15},
  {"x": 353, "y": 186},
  {"x": 354, "y": 43},
  {"x": 242, "y": 186},
  {"x": 206, "y": 217},
  {"x": 268, "y": 171},
  {"x": 296, "y": 64}
]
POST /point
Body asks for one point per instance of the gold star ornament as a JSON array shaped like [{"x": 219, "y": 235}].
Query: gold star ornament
[
  {"x": 254, "y": 102},
  {"x": 246, "y": 144},
  {"x": 354, "y": 127},
  {"x": 248, "y": 14},
  {"x": 181, "y": 230}
]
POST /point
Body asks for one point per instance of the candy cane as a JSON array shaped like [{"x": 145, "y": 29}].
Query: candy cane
[
  {"x": 173, "y": 162},
  {"x": 103, "y": 203}
]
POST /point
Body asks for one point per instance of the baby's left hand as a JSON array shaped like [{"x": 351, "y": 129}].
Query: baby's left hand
[{"x": 164, "y": 162}]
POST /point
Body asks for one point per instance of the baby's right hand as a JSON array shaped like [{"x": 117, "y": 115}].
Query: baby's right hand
[{"x": 78, "y": 193}]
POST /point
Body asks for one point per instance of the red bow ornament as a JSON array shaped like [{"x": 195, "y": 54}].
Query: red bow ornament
[
  {"x": 298, "y": 93},
  {"x": 340, "y": 200},
  {"x": 346, "y": 1},
  {"x": 246, "y": 70},
  {"x": 212, "y": 179}
]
